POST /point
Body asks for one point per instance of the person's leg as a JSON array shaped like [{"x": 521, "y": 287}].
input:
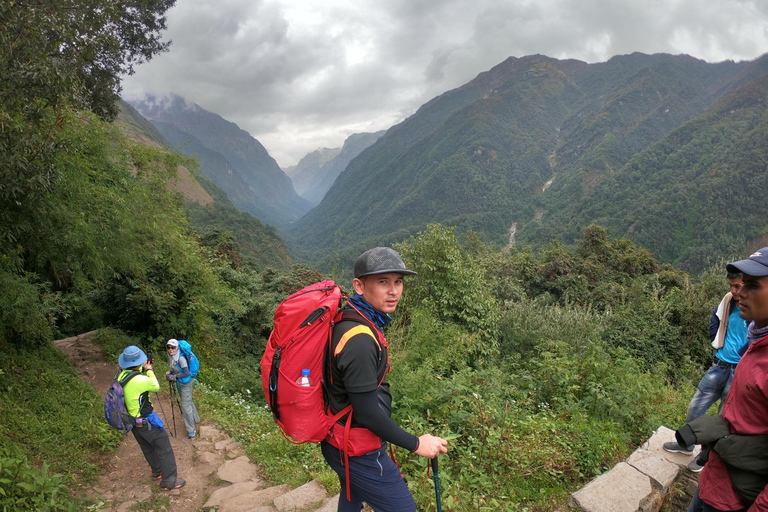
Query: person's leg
[
  {"x": 145, "y": 443},
  {"x": 188, "y": 409},
  {"x": 374, "y": 479},
  {"x": 709, "y": 390},
  {"x": 333, "y": 458},
  {"x": 726, "y": 388},
  {"x": 163, "y": 450},
  {"x": 377, "y": 479}
]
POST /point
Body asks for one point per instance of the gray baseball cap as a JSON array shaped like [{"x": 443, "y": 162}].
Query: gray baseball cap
[{"x": 380, "y": 260}]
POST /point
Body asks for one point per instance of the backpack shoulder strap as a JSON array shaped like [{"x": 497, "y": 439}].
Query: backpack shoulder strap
[
  {"x": 358, "y": 329},
  {"x": 125, "y": 379}
]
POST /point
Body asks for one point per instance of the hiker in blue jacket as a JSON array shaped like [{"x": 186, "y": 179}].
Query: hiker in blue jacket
[{"x": 179, "y": 373}]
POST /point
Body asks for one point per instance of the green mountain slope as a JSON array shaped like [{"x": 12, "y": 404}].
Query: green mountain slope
[
  {"x": 692, "y": 197},
  {"x": 236, "y": 162},
  {"x": 506, "y": 152},
  {"x": 211, "y": 214}
]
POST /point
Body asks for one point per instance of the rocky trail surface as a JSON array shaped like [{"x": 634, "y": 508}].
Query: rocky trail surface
[{"x": 219, "y": 476}]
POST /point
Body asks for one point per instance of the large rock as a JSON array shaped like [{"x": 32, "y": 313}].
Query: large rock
[
  {"x": 331, "y": 505},
  {"x": 231, "y": 491},
  {"x": 249, "y": 501},
  {"x": 622, "y": 489},
  {"x": 656, "y": 444},
  {"x": 237, "y": 470},
  {"x": 308, "y": 495},
  {"x": 661, "y": 472}
]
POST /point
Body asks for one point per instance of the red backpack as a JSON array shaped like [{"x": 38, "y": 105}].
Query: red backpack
[{"x": 301, "y": 339}]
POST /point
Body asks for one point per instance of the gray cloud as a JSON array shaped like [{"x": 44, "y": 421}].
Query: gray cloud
[{"x": 301, "y": 74}]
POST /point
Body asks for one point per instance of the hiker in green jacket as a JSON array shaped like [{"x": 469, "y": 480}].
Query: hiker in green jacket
[{"x": 148, "y": 427}]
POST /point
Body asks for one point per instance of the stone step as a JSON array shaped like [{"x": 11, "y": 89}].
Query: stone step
[
  {"x": 308, "y": 495},
  {"x": 245, "y": 491},
  {"x": 254, "y": 500}
]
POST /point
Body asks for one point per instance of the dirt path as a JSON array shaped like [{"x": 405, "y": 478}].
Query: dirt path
[{"x": 126, "y": 479}]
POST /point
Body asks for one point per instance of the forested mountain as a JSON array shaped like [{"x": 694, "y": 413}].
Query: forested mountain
[
  {"x": 314, "y": 175},
  {"x": 232, "y": 159},
  {"x": 536, "y": 146},
  {"x": 211, "y": 214},
  {"x": 303, "y": 172}
]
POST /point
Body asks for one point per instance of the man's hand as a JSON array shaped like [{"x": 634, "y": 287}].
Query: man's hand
[
  {"x": 431, "y": 446},
  {"x": 147, "y": 365}
]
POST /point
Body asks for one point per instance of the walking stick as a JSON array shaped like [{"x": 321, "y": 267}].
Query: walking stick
[
  {"x": 173, "y": 415},
  {"x": 437, "y": 484}
]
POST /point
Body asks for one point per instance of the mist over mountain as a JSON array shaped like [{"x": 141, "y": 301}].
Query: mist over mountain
[
  {"x": 314, "y": 175},
  {"x": 229, "y": 156},
  {"x": 541, "y": 148},
  {"x": 210, "y": 212},
  {"x": 302, "y": 173}
]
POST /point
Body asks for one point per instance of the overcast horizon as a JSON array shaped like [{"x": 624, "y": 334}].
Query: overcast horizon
[{"x": 301, "y": 74}]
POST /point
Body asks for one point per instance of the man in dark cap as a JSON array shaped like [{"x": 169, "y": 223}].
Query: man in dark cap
[
  {"x": 359, "y": 365},
  {"x": 731, "y": 480},
  {"x": 148, "y": 427}
]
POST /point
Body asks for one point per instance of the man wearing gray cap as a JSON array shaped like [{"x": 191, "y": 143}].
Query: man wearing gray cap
[
  {"x": 358, "y": 369},
  {"x": 737, "y": 479}
]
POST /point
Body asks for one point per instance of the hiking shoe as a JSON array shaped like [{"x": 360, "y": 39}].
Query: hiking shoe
[
  {"x": 191, "y": 434},
  {"x": 674, "y": 447},
  {"x": 180, "y": 482},
  {"x": 159, "y": 476},
  {"x": 695, "y": 466}
]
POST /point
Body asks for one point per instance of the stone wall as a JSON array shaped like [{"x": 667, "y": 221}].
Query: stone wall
[{"x": 642, "y": 483}]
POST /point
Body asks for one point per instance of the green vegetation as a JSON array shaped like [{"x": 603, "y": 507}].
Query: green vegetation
[{"x": 545, "y": 366}]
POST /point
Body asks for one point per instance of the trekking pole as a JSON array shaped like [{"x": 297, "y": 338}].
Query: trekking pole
[
  {"x": 437, "y": 484},
  {"x": 173, "y": 415}
]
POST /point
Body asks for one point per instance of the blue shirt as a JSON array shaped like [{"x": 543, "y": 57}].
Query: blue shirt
[{"x": 735, "y": 337}]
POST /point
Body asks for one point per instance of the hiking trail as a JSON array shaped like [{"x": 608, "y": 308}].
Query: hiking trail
[{"x": 219, "y": 476}]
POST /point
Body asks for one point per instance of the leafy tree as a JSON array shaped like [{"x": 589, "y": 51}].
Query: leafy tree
[
  {"x": 75, "y": 50},
  {"x": 449, "y": 299},
  {"x": 57, "y": 57}
]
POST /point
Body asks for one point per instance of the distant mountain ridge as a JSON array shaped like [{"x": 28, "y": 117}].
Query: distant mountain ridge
[
  {"x": 210, "y": 212},
  {"x": 314, "y": 175},
  {"x": 538, "y": 144},
  {"x": 230, "y": 157}
]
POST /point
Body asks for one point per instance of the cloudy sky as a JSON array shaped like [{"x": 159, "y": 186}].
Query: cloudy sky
[{"x": 304, "y": 74}]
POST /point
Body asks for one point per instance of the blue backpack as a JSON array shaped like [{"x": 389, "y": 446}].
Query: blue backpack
[
  {"x": 115, "y": 411},
  {"x": 185, "y": 349}
]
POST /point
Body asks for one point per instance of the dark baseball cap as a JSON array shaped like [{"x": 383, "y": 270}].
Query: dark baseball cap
[
  {"x": 756, "y": 265},
  {"x": 380, "y": 260}
]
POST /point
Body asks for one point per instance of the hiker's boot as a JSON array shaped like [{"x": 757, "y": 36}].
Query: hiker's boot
[
  {"x": 178, "y": 485},
  {"x": 674, "y": 447}
]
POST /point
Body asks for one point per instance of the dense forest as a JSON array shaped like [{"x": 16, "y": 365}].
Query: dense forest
[{"x": 544, "y": 365}]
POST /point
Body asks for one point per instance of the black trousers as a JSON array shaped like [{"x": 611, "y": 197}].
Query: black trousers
[{"x": 156, "y": 447}]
